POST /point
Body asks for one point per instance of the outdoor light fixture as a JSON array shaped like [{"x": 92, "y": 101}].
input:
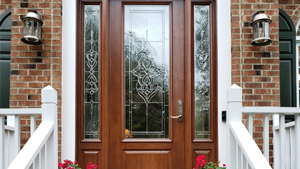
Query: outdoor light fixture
[
  {"x": 261, "y": 28},
  {"x": 32, "y": 27}
]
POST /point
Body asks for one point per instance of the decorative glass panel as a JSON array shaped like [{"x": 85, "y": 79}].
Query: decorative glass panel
[
  {"x": 91, "y": 71},
  {"x": 202, "y": 71},
  {"x": 146, "y": 62}
]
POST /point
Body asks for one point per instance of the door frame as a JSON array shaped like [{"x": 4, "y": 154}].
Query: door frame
[
  {"x": 193, "y": 147},
  {"x": 69, "y": 69}
]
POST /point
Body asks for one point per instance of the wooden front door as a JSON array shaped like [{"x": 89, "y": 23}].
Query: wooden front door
[{"x": 140, "y": 66}]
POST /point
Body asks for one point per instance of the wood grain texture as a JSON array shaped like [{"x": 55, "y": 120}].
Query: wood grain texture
[{"x": 147, "y": 159}]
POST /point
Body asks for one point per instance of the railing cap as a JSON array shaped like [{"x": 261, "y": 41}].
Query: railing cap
[
  {"x": 49, "y": 95},
  {"x": 234, "y": 94}
]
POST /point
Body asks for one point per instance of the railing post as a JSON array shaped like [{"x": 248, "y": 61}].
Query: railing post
[
  {"x": 297, "y": 132},
  {"x": 266, "y": 136},
  {"x": 2, "y": 136},
  {"x": 282, "y": 141},
  {"x": 17, "y": 136},
  {"x": 276, "y": 143},
  {"x": 49, "y": 114},
  {"x": 234, "y": 113}
]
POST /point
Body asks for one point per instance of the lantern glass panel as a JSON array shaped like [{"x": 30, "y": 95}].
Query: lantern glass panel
[
  {"x": 38, "y": 30},
  {"x": 26, "y": 27},
  {"x": 35, "y": 28},
  {"x": 267, "y": 29},
  {"x": 32, "y": 31},
  {"x": 255, "y": 31},
  {"x": 261, "y": 32}
]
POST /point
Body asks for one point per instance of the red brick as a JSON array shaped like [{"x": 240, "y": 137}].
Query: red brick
[
  {"x": 262, "y": 91},
  {"x": 262, "y": 103},
  {"x": 253, "y": 97},
  {"x": 27, "y": 78},
  {"x": 253, "y": 85},
  {"x": 271, "y": 97},
  {"x": 247, "y": 79},
  {"x": 35, "y": 85},
  {"x": 27, "y": 91}
]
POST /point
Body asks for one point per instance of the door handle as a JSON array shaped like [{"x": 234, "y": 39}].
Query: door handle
[{"x": 179, "y": 111}]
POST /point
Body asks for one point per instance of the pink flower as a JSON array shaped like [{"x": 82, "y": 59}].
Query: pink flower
[
  {"x": 68, "y": 164},
  {"x": 200, "y": 161},
  {"x": 91, "y": 166}
]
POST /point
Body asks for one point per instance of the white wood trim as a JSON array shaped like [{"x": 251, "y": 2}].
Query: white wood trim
[
  {"x": 68, "y": 79},
  {"x": 297, "y": 136},
  {"x": 32, "y": 124},
  {"x": 293, "y": 147},
  {"x": 250, "y": 124},
  {"x": 17, "y": 136},
  {"x": 9, "y": 128},
  {"x": 282, "y": 140},
  {"x": 286, "y": 125},
  {"x": 26, "y": 111},
  {"x": 276, "y": 151},
  {"x": 266, "y": 136},
  {"x": 248, "y": 147},
  {"x": 2, "y": 142},
  {"x": 271, "y": 110},
  {"x": 33, "y": 146}
]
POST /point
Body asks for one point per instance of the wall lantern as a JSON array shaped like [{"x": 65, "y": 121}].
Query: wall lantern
[
  {"x": 32, "y": 27},
  {"x": 261, "y": 28}
]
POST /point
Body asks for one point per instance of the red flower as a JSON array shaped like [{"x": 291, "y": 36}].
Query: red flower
[
  {"x": 91, "y": 166},
  {"x": 200, "y": 161},
  {"x": 224, "y": 165}
]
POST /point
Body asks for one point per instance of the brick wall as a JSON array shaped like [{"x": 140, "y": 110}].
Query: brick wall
[
  {"x": 292, "y": 8},
  {"x": 255, "y": 69},
  {"x": 35, "y": 67},
  {"x": 4, "y": 5}
]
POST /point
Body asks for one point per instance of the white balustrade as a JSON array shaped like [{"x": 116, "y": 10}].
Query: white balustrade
[
  {"x": 42, "y": 144},
  {"x": 242, "y": 151},
  {"x": 286, "y": 136},
  {"x": 12, "y": 138}
]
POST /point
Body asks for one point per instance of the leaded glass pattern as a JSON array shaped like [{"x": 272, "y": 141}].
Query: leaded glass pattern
[
  {"x": 201, "y": 71},
  {"x": 146, "y": 63},
  {"x": 91, "y": 71}
]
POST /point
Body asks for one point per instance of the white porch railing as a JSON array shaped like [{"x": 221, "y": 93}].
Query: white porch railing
[
  {"x": 41, "y": 150},
  {"x": 286, "y": 137}
]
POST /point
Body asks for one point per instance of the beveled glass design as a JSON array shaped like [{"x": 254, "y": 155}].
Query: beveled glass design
[
  {"x": 201, "y": 71},
  {"x": 91, "y": 71},
  {"x": 146, "y": 64}
]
